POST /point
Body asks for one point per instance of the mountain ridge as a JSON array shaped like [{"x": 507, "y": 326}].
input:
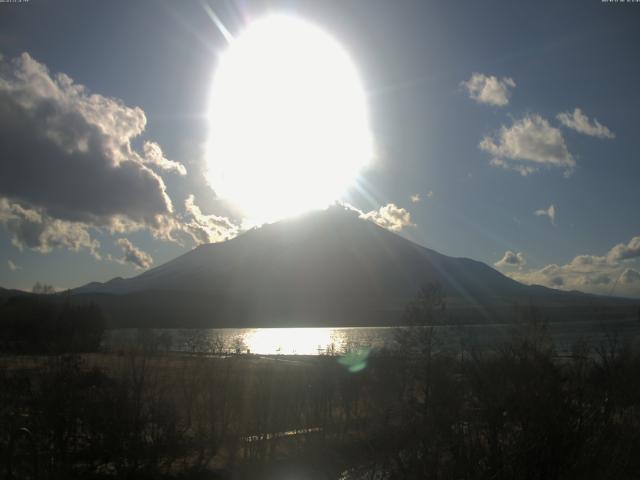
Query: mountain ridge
[{"x": 323, "y": 268}]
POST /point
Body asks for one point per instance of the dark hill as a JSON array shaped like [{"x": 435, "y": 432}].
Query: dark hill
[{"x": 324, "y": 268}]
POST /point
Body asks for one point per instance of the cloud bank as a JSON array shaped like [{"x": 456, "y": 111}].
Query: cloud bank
[
  {"x": 69, "y": 167},
  {"x": 615, "y": 273},
  {"x": 69, "y": 152}
]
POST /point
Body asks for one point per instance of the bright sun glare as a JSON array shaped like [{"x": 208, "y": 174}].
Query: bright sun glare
[{"x": 288, "y": 119}]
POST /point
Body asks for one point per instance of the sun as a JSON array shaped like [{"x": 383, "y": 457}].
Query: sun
[{"x": 289, "y": 128}]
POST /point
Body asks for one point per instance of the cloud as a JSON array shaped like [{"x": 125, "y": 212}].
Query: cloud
[
  {"x": 630, "y": 276},
  {"x": 12, "y": 266},
  {"x": 153, "y": 156},
  {"x": 527, "y": 145},
  {"x": 31, "y": 228},
  {"x": 133, "y": 255},
  {"x": 417, "y": 197},
  {"x": 523, "y": 170},
  {"x": 511, "y": 259},
  {"x": 547, "y": 212},
  {"x": 390, "y": 216},
  {"x": 69, "y": 168},
  {"x": 601, "y": 274},
  {"x": 68, "y": 155},
  {"x": 579, "y": 122},
  {"x": 623, "y": 251},
  {"x": 207, "y": 228},
  {"x": 489, "y": 89}
]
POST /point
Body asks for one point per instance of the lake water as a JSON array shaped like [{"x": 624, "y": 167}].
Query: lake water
[{"x": 320, "y": 341}]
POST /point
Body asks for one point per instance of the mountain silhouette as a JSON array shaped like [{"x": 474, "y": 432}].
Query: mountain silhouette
[{"x": 324, "y": 268}]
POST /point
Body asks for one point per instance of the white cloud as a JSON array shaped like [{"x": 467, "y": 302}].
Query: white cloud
[
  {"x": 153, "y": 156},
  {"x": 133, "y": 255},
  {"x": 489, "y": 89},
  {"x": 12, "y": 266},
  {"x": 579, "y": 122},
  {"x": 527, "y": 145},
  {"x": 415, "y": 198},
  {"x": 207, "y": 228},
  {"x": 33, "y": 229},
  {"x": 511, "y": 259},
  {"x": 627, "y": 251},
  {"x": 547, "y": 212},
  {"x": 606, "y": 275},
  {"x": 523, "y": 170},
  {"x": 390, "y": 216}
]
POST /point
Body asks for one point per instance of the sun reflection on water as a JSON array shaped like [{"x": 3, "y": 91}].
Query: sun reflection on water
[{"x": 294, "y": 341}]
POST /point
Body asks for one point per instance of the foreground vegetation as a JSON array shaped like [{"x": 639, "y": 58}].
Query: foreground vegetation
[{"x": 516, "y": 412}]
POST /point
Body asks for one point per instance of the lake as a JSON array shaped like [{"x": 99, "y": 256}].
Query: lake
[{"x": 321, "y": 341}]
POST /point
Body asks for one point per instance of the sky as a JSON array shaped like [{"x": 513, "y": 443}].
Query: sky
[{"x": 503, "y": 131}]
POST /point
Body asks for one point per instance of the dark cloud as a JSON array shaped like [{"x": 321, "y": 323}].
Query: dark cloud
[
  {"x": 68, "y": 166},
  {"x": 69, "y": 152},
  {"x": 557, "y": 281}
]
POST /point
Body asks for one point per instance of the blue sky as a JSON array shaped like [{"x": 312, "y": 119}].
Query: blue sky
[{"x": 534, "y": 60}]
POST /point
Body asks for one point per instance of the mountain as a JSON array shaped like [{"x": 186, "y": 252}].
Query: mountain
[
  {"x": 324, "y": 268},
  {"x": 5, "y": 294}
]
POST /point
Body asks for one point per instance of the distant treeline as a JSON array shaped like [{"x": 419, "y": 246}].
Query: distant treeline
[
  {"x": 49, "y": 324},
  {"x": 414, "y": 412}
]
